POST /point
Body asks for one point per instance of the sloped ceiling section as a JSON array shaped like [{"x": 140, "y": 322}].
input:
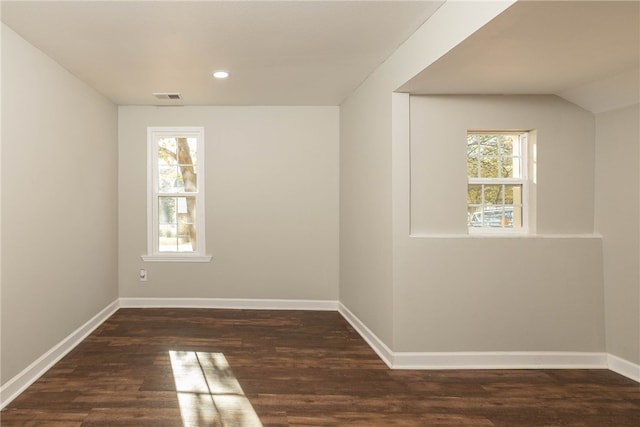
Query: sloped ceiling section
[{"x": 584, "y": 51}]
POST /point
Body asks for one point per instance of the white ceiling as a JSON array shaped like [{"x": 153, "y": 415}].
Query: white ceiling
[
  {"x": 278, "y": 52},
  {"x": 308, "y": 52},
  {"x": 585, "y": 51}
]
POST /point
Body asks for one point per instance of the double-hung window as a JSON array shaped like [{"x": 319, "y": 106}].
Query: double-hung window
[
  {"x": 175, "y": 199},
  {"x": 497, "y": 181}
]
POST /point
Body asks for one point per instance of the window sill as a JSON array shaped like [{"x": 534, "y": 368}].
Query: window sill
[
  {"x": 176, "y": 258},
  {"x": 503, "y": 235},
  {"x": 506, "y": 232}
]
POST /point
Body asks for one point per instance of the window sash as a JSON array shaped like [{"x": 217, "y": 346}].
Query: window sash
[{"x": 518, "y": 155}]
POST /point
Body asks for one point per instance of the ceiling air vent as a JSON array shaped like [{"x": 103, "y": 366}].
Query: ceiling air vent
[{"x": 163, "y": 95}]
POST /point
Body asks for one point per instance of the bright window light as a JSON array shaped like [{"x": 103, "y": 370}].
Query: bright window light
[{"x": 208, "y": 392}]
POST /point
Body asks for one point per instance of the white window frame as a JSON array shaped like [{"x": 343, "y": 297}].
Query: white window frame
[
  {"x": 154, "y": 134},
  {"x": 523, "y": 181}
]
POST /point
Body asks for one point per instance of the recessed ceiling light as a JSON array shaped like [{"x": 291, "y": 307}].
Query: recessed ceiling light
[{"x": 221, "y": 74}]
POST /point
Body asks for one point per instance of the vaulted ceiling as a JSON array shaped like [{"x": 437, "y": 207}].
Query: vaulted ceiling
[{"x": 585, "y": 51}]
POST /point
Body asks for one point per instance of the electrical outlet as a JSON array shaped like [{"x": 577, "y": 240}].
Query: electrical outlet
[{"x": 143, "y": 275}]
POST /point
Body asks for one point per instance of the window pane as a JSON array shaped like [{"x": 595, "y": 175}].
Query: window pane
[
  {"x": 472, "y": 156},
  {"x": 177, "y": 219},
  {"x": 493, "y": 216},
  {"x": 474, "y": 205},
  {"x": 474, "y": 194},
  {"x": 193, "y": 148},
  {"x": 513, "y": 194},
  {"x": 166, "y": 210},
  {"x": 176, "y": 165},
  {"x": 474, "y": 214},
  {"x": 167, "y": 151},
  {"x": 167, "y": 238},
  {"x": 506, "y": 170},
  {"x": 186, "y": 156},
  {"x": 506, "y": 144},
  {"x": 168, "y": 178},
  {"x": 489, "y": 167},
  {"x": 493, "y": 194},
  {"x": 489, "y": 145},
  {"x": 472, "y": 168},
  {"x": 506, "y": 219},
  {"x": 186, "y": 224}
]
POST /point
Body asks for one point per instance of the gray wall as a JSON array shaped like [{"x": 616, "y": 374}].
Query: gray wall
[
  {"x": 409, "y": 287},
  {"x": 365, "y": 208},
  {"x": 563, "y": 141},
  {"x": 617, "y": 216},
  {"x": 542, "y": 292},
  {"x": 59, "y": 203},
  {"x": 368, "y": 191},
  {"x": 271, "y": 203}
]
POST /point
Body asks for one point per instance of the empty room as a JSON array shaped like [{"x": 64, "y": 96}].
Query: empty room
[{"x": 320, "y": 213}]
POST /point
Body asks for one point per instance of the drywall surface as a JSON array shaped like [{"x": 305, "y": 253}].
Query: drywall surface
[
  {"x": 271, "y": 204},
  {"x": 617, "y": 219},
  {"x": 500, "y": 294},
  {"x": 538, "y": 292},
  {"x": 59, "y": 203},
  {"x": 365, "y": 207},
  {"x": 367, "y": 188},
  {"x": 564, "y": 159}
]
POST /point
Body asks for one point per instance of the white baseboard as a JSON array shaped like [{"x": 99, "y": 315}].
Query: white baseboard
[
  {"x": 475, "y": 359},
  {"x": 395, "y": 360},
  {"x": 624, "y": 367},
  {"x": 500, "y": 360},
  {"x": 16, "y": 385},
  {"x": 238, "y": 303},
  {"x": 372, "y": 339}
]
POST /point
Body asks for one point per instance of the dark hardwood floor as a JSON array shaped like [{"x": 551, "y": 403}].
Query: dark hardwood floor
[{"x": 199, "y": 367}]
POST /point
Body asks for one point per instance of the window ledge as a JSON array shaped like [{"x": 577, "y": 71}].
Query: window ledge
[
  {"x": 176, "y": 258},
  {"x": 500, "y": 233},
  {"x": 503, "y": 235}
]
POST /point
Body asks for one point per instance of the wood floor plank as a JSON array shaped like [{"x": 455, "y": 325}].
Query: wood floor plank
[{"x": 203, "y": 367}]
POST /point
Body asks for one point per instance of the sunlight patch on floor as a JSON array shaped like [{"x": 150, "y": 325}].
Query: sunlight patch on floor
[{"x": 208, "y": 392}]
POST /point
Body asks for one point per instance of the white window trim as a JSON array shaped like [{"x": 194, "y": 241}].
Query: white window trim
[
  {"x": 153, "y": 255},
  {"x": 524, "y": 181}
]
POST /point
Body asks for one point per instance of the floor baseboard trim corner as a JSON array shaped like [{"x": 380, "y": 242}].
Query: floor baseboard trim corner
[
  {"x": 16, "y": 385},
  {"x": 378, "y": 346},
  {"x": 624, "y": 367},
  {"x": 232, "y": 303},
  {"x": 474, "y": 359}
]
